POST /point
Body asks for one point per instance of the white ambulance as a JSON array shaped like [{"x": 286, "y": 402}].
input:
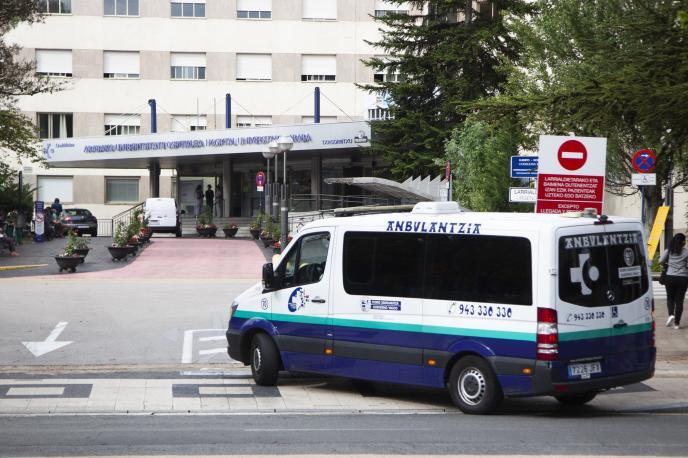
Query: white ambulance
[{"x": 485, "y": 304}]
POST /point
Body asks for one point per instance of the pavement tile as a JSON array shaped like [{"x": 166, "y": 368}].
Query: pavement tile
[
  {"x": 215, "y": 404},
  {"x": 270, "y": 403},
  {"x": 242, "y": 404},
  {"x": 186, "y": 404},
  {"x": 13, "y": 405},
  {"x": 129, "y": 406},
  {"x": 41, "y": 405}
]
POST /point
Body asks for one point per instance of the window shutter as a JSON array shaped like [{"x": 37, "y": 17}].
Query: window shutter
[
  {"x": 318, "y": 65},
  {"x": 51, "y": 187},
  {"x": 254, "y": 5},
  {"x": 254, "y": 67},
  {"x": 319, "y": 9},
  {"x": 183, "y": 123},
  {"x": 126, "y": 62},
  {"x": 53, "y": 61},
  {"x": 391, "y": 6},
  {"x": 182, "y": 59},
  {"x": 122, "y": 120},
  {"x": 187, "y": 1}
]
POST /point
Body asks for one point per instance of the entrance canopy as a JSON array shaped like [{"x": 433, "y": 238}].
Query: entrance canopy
[{"x": 170, "y": 150}]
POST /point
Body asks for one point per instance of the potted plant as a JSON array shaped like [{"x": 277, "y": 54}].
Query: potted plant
[
  {"x": 119, "y": 248},
  {"x": 80, "y": 245},
  {"x": 254, "y": 227},
  {"x": 69, "y": 258},
  {"x": 230, "y": 229},
  {"x": 145, "y": 232},
  {"x": 205, "y": 226}
]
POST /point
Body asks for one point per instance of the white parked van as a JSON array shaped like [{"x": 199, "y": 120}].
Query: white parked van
[
  {"x": 485, "y": 304},
  {"x": 162, "y": 215}
]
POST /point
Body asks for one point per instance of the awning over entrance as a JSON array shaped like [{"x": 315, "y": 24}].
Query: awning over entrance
[
  {"x": 381, "y": 186},
  {"x": 168, "y": 150}
]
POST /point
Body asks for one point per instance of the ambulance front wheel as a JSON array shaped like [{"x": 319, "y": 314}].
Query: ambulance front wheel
[
  {"x": 265, "y": 361},
  {"x": 474, "y": 387}
]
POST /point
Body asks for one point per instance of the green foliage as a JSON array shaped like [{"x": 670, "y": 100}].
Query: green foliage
[
  {"x": 607, "y": 68},
  {"x": 480, "y": 154},
  {"x": 12, "y": 199},
  {"x": 205, "y": 219},
  {"x": 442, "y": 60},
  {"x": 74, "y": 243},
  {"x": 121, "y": 237},
  {"x": 257, "y": 221},
  {"x": 18, "y": 139}
]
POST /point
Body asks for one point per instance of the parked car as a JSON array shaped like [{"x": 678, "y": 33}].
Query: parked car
[
  {"x": 80, "y": 220},
  {"x": 162, "y": 215}
]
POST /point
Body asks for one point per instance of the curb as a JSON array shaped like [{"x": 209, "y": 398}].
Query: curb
[{"x": 29, "y": 266}]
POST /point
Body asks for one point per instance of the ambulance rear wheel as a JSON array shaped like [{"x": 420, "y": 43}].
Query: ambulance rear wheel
[
  {"x": 577, "y": 399},
  {"x": 265, "y": 361},
  {"x": 474, "y": 387}
]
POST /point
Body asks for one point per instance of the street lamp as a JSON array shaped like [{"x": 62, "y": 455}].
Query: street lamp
[
  {"x": 274, "y": 149},
  {"x": 285, "y": 143},
  {"x": 268, "y": 154}
]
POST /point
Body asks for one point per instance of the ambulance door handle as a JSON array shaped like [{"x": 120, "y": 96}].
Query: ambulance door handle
[{"x": 317, "y": 300}]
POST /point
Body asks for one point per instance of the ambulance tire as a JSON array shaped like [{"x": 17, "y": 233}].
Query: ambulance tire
[
  {"x": 576, "y": 399},
  {"x": 265, "y": 361},
  {"x": 474, "y": 387}
]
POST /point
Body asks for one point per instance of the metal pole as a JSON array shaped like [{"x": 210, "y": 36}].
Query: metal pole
[
  {"x": 283, "y": 206},
  {"x": 228, "y": 111},
  {"x": 154, "y": 116},
  {"x": 268, "y": 190},
  {"x": 669, "y": 224},
  {"x": 316, "y": 105},
  {"x": 275, "y": 196}
]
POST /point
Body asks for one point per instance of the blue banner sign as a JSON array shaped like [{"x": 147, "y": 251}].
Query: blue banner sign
[{"x": 524, "y": 166}]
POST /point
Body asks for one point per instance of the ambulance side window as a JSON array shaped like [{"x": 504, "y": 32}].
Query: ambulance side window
[{"x": 305, "y": 262}]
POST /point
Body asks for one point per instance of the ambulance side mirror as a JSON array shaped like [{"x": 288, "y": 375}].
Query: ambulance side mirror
[{"x": 269, "y": 282}]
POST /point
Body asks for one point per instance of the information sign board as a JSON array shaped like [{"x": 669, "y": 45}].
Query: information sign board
[
  {"x": 524, "y": 195},
  {"x": 524, "y": 166}
]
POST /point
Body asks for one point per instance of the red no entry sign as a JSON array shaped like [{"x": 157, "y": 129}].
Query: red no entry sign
[
  {"x": 260, "y": 179},
  {"x": 644, "y": 161},
  {"x": 572, "y": 155}
]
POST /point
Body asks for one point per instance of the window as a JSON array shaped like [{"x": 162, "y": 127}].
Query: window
[
  {"x": 254, "y": 9},
  {"x": 387, "y": 76},
  {"x": 122, "y": 124},
  {"x": 481, "y": 268},
  {"x": 187, "y": 66},
  {"x": 310, "y": 255},
  {"x": 54, "y": 62},
  {"x": 323, "y": 119},
  {"x": 447, "y": 267},
  {"x": 598, "y": 270},
  {"x": 255, "y": 67},
  {"x": 318, "y": 68},
  {"x": 382, "y": 8},
  {"x": 121, "y": 190},
  {"x": 121, "y": 7},
  {"x": 379, "y": 114},
  {"x": 121, "y": 64},
  {"x": 50, "y": 188},
  {"x": 55, "y": 6},
  {"x": 320, "y": 10},
  {"x": 188, "y": 123},
  {"x": 181, "y": 8},
  {"x": 55, "y": 125},
  {"x": 253, "y": 121},
  {"x": 381, "y": 264}
]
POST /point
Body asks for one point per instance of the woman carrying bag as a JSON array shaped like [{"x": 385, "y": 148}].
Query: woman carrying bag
[{"x": 676, "y": 283}]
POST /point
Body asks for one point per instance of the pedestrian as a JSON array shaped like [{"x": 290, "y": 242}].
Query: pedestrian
[
  {"x": 219, "y": 201},
  {"x": 7, "y": 242},
  {"x": 209, "y": 197},
  {"x": 199, "y": 201},
  {"x": 57, "y": 207},
  {"x": 676, "y": 259}
]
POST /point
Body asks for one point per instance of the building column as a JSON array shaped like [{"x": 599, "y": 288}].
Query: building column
[
  {"x": 316, "y": 180},
  {"x": 178, "y": 197},
  {"x": 154, "y": 179},
  {"x": 227, "y": 170}
]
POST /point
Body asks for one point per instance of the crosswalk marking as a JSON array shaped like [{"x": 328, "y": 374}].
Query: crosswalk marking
[{"x": 658, "y": 291}]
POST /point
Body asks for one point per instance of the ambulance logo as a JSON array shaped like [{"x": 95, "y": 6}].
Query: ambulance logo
[{"x": 297, "y": 300}]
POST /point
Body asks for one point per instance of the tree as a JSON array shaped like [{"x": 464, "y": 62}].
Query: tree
[
  {"x": 480, "y": 155},
  {"x": 441, "y": 58},
  {"x": 609, "y": 68},
  {"x": 18, "y": 136}
]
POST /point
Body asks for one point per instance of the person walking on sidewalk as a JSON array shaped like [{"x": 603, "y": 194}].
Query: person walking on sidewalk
[
  {"x": 209, "y": 197},
  {"x": 676, "y": 257}
]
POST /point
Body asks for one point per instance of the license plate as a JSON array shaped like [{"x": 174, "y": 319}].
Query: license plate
[{"x": 584, "y": 370}]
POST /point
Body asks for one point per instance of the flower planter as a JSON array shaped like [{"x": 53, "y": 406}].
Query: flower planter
[
  {"x": 231, "y": 232},
  {"x": 267, "y": 241},
  {"x": 119, "y": 252},
  {"x": 206, "y": 231},
  {"x": 134, "y": 249},
  {"x": 255, "y": 233},
  {"x": 69, "y": 263},
  {"x": 82, "y": 252}
]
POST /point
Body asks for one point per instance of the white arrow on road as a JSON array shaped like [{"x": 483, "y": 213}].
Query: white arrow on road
[{"x": 49, "y": 344}]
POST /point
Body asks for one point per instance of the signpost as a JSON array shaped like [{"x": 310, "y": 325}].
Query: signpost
[
  {"x": 260, "y": 181},
  {"x": 523, "y": 195},
  {"x": 644, "y": 162},
  {"x": 524, "y": 166},
  {"x": 570, "y": 174}
]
